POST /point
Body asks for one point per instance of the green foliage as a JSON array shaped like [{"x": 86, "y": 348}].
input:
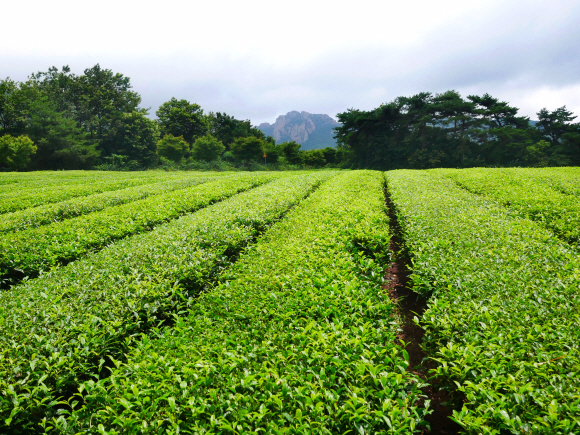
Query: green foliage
[
  {"x": 248, "y": 149},
  {"x": 13, "y": 114},
  {"x": 94, "y": 100},
  {"x": 95, "y": 103},
  {"x": 424, "y": 159},
  {"x": 182, "y": 118},
  {"x": 135, "y": 136},
  {"x": 273, "y": 152},
  {"x": 445, "y": 130},
  {"x": 564, "y": 136},
  {"x": 172, "y": 148},
  {"x": 314, "y": 158},
  {"x": 215, "y": 165},
  {"x": 207, "y": 148},
  {"x": 330, "y": 155},
  {"x": 67, "y": 116},
  {"x": 291, "y": 152},
  {"x": 296, "y": 337},
  {"x": 31, "y": 251},
  {"x": 502, "y": 320},
  {"x": 59, "y": 211},
  {"x": 27, "y": 109},
  {"x": 523, "y": 191},
  {"x": 116, "y": 296},
  {"x": 555, "y": 124},
  {"x": 226, "y": 128},
  {"x": 228, "y": 156},
  {"x": 27, "y": 182},
  {"x": 46, "y": 192},
  {"x": 15, "y": 152},
  {"x": 61, "y": 144},
  {"x": 114, "y": 162},
  {"x": 159, "y": 310}
]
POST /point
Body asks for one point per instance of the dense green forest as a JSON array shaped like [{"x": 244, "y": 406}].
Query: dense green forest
[
  {"x": 446, "y": 130},
  {"x": 59, "y": 120}
]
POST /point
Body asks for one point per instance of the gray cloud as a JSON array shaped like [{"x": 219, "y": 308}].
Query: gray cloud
[{"x": 526, "y": 53}]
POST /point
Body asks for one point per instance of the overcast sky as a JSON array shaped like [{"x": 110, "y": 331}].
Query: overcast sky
[{"x": 259, "y": 59}]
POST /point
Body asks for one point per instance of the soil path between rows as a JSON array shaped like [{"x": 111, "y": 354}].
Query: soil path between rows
[{"x": 409, "y": 305}]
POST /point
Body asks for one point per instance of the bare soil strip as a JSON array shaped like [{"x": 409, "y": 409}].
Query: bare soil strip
[{"x": 410, "y": 305}]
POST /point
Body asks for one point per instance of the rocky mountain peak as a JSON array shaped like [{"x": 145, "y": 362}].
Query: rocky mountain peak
[{"x": 310, "y": 130}]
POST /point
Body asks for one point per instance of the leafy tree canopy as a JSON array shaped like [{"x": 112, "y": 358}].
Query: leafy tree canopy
[
  {"x": 446, "y": 130},
  {"x": 207, "y": 148},
  {"x": 182, "y": 118},
  {"x": 226, "y": 128},
  {"x": 291, "y": 152},
  {"x": 68, "y": 117},
  {"x": 248, "y": 149},
  {"x": 172, "y": 148},
  {"x": 133, "y": 135},
  {"x": 15, "y": 152}
]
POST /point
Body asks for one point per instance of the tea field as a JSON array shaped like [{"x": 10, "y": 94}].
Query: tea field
[{"x": 234, "y": 303}]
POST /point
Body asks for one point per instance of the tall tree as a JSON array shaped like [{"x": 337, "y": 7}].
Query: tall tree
[
  {"x": 103, "y": 97},
  {"x": 13, "y": 108},
  {"x": 61, "y": 144},
  {"x": 563, "y": 135},
  {"x": 427, "y": 130},
  {"x": 291, "y": 152},
  {"x": 61, "y": 87},
  {"x": 15, "y": 152},
  {"x": 133, "y": 135},
  {"x": 248, "y": 149},
  {"x": 226, "y": 128},
  {"x": 554, "y": 124},
  {"x": 182, "y": 118},
  {"x": 172, "y": 148},
  {"x": 207, "y": 148},
  {"x": 94, "y": 100}
]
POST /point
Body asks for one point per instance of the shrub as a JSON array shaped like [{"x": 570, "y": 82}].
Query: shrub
[
  {"x": 15, "y": 152},
  {"x": 248, "y": 149},
  {"x": 207, "y": 148},
  {"x": 172, "y": 148}
]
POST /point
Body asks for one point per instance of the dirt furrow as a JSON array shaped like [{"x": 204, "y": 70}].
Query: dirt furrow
[{"x": 410, "y": 306}]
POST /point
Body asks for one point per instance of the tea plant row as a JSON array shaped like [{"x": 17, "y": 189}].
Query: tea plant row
[
  {"x": 68, "y": 325},
  {"x": 19, "y": 198},
  {"x": 55, "y": 212},
  {"x": 528, "y": 193},
  {"x": 37, "y": 179},
  {"x": 503, "y": 318},
  {"x": 28, "y": 252},
  {"x": 298, "y": 336}
]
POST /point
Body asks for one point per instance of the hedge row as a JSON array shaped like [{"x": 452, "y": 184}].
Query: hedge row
[
  {"x": 503, "y": 320},
  {"x": 19, "y": 198},
  {"x": 63, "y": 327},
  {"x": 28, "y": 252},
  {"x": 528, "y": 193},
  {"x": 38, "y": 179},
  {"x": 564, "y": 180},
  {"x": 298, "y": 337},
  {"x": 49, "y": 213}
]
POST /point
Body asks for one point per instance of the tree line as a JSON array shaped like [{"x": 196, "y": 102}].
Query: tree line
[
  {"x": 446, "y": 130},
  {"x": 59, "y": 120}
]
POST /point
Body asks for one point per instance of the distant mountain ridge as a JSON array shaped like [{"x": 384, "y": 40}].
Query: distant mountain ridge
[{"x": 312, "y": 131}]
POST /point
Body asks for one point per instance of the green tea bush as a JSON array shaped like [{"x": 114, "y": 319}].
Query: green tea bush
[
  {"x": 528, "y": 194},
  {"x": 63, "y": 328},
  {"x": 503, "y": 318},
  {"x": 49, "y": 213},
  {"x": 298, "y": 337},
  {"x": 28, "y": 252},
  {"x": 19, "y": 198}
]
